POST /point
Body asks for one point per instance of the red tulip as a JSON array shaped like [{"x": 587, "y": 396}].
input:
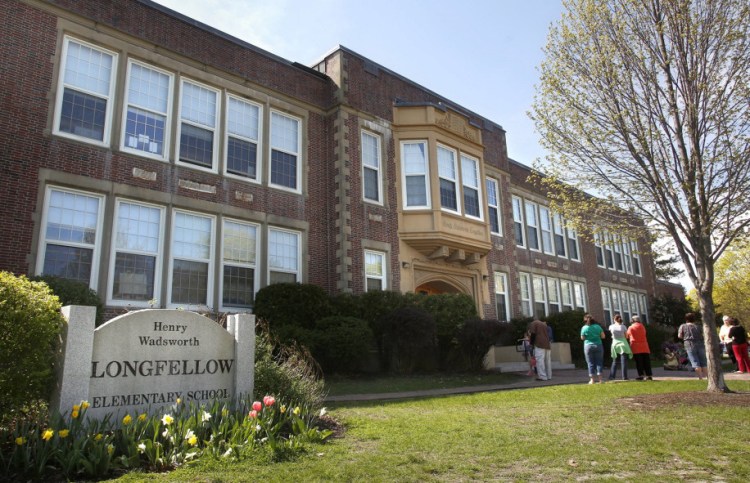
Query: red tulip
[
  {"x": 257, "y": 406},
  {"x": 269, "y": 401}
]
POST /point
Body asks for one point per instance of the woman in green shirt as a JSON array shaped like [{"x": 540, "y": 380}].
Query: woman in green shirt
[{"x": 592, "y": 335}]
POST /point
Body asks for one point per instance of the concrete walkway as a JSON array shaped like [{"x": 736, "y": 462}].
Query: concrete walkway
[{"x": 559, "y": 377}]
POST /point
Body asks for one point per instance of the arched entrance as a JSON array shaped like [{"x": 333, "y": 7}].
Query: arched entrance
[{"x": 436, "y": 287}]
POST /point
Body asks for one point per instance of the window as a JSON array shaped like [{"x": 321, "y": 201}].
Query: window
[
  {"x": 546, "y": 225},
  {"x": 148, "y": 101},
  {"x": 192, "y": 259},
  {"x": 566, "y": 292},
  {"x": 579, "y": 290},
  {"x": 627, "y": 258},
  {"x": 242, "y": 135},
  {"x": 525, "y": 286},
  {"x": 634, "y": 303},
  {"x": 283, "y": 256},
  {"x": 448, "y": 175},
  {"x": 518, "y": 221},
  {"x": 616, "y": 308},
  {"x": 608, "y": 258},
  {"x": 599, "y": 249},
  {"x": 559, "y": 230},
  {"x": 70, "y": 242},
  {"x": 625, "y": 306},
  {"x": 493, "y": 206},
  {"x": 540, "y": 299},
  {"x": 371, "y": 178},
  {"x": 197, "y": 131},
  {"x": 472, "y": 194},
  {"x": 415, "y": 173},
  {"x": 135, "y": 267},
  {"x": 374, "y": 271},
  {"x": 501, "y": 297},
  {"x": 238, "y": 257},
  {"x": 618, "y": 254},
  {"x": 607, "y": 304},
  {"x": 532, "y": 231},
  {"x": 553, "y": 295},
  {"x": 636, "y": 258},
  {"x": 573, "y": 245},
  {"x": 84, "y": 103},
  {"x": 644, "y": 309},
  {"x": 285, "y": 142}
]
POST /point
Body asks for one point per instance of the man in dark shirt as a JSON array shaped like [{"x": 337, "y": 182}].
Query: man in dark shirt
[{"x": 542, "y": 349}]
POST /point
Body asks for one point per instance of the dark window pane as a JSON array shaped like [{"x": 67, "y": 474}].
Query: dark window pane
[
  {"x": 471, "y": 201},
  {"x": 371, "y": 185},
  {"x": 494, "y": 222},
  {"x": 83, "y": 115},
  {"x": 501, "y": 307},
  {"x": 134, "y": 277},
  {"x": 196, "y": 145},
  {"x": 283, "y": 169},
  {"x": 618, "y": 261},
  {"x": 282, "y": 277},
  {"x": 239, "y": 286},
  {"x": 560, "y": 245},
  {"x": 533, "y": 237},
  {"x": 448, "y": 195},
  {"x": 374, "y": 284},
  {"x": 599, "y": 256},
  {"x": 539, "y": 309},
  {"x": 241, "y": 157},
  {"x": 416, "y": 193},
  {"x": 144, "y": 131},
  {"x": 573, "y": 248},
  {"x": 189, "y": 282},
  {"x": 72, "y": 263},
  {"x": 518, "y": 228}
]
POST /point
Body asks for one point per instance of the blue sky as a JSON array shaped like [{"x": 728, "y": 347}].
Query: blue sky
[{"x": 481, "y": 54}]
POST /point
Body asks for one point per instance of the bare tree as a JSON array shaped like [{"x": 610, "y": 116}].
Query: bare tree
[{"x": 646, "y": 103}]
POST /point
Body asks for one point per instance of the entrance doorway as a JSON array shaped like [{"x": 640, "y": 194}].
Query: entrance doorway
[{"x": 436, "y": 287}]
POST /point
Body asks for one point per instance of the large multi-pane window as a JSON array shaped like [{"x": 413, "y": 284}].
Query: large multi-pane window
[
  {"x": 501, "y": 296},
  {"x": 375, "y": 273},
  {"x": 471, "y": 186},
  {"x": 493, "y": 206},
  {"x": 636, "y": 258},
  {"x": 566, "y": 295},
  {"x": 573, "y": 245},
  {"x": 634, "y": 303},
  {"x": 242, "y": 138},
  {"x": 540, "y": 298},
  {"x": 197, "y": 130},
  {"x": 618, "y": 254},
  {"x": 644, "y": 308},
  {"x": 545, "y": 223},
  {"x": 532, "y": 225},
  {"x": 285, "y": 142},
  {"x": 415, "y": 174},
  {"x": 72, "y": 235},
  {"x": 607, "y": 304},
  {"x": 518, "y": 232},
  {"x": 135, "y": 268},
  {"x": 553, "y": 295},
  {"x": 192, "y": 259},
  {"x": 609, "y": 258},
  {"x": 579, "y": 291},
  {"x": 283, "y": 256},
  {"x": 525, "y": 286},
  {"x": 599, "y": 249},
  {"x": 238, "y": 257},
  {"x": 371, "y": 160},
  {"x": 559, "y": 230},
  {"x": 625, "y": 300},
  {"x": 626, "y": 256},
  {"x": 448, "y": 176},
  {"x": 148, "y": 102},
  {"x": 616, "y": 308},
  {"x": 85, "y": 100}
]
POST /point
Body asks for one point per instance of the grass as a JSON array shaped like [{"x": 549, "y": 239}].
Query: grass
[
  {"x": 573, "y": 432},
  {"x": 384, "y": 384}
]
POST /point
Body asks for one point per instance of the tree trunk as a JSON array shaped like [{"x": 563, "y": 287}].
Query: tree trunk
[{"x": 715, "y": 371}]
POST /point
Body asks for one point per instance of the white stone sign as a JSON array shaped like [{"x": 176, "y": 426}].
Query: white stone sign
[{"x": 146, "y": 360}]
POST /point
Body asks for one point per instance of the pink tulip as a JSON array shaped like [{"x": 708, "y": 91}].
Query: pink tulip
[
  {"x": 253, "y": 414},
  {"x": 269, "y": 401},
  {"x": 257, "y": 406}
]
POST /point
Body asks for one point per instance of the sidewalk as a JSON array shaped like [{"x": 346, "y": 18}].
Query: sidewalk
[{"x": 559, "y": 377}]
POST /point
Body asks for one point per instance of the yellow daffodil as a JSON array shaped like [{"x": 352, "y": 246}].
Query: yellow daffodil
[
  {"x": 84, "y": 404},
  {"x": 74, "y": 414},
  {"x": 179, "y": 400},
  {"x": 282, "y": 409},
  {"x": 76, "y": 407},
  {"x": 142, "y": 417},
  {"x": 296, "y": 411},
  {"x": 127, "y": 419},
  {"x": 63, "y": 433},
  {"x": 20, "y": 440},
  {"x": 167, "y": 419},
  {"x": 191, "y": 438},
  {"x": 110, "y": 448},
  {"x": 98, "y": 437},
  {"x": 47, "y": 435}
]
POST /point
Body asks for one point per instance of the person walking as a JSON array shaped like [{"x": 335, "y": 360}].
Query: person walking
[
  {"x": 726, "y": 341},
  {"x": 620, "y": 349},
  {"x": 738, "y": 334},
  {"x": 636, "y": 335},
  {"x": 692, "y": 337},
  {"x": 539, "y": 338},
  {"x": 593, "y": 349}
]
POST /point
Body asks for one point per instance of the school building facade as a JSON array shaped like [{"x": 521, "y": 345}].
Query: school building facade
[{"x": 167, "y": 164}]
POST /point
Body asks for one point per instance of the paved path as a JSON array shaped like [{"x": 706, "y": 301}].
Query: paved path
[{"x": 559, "y": 377}]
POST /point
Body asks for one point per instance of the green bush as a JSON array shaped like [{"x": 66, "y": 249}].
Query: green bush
[
  {"x": 657, "y": 335},
  {"x": 410, "y": 340},
  {"x": 30, "y": 324},
  {"x": 347, "y": 305},
  {"x": 287, "y": 307},
  {"x": 73, "y": 292},
  {"x": 342, "y": 344},
  {"x": 566, "y": 327},
  {"x": 476, "y": 336},
  {"x": 449, "y": 311}
]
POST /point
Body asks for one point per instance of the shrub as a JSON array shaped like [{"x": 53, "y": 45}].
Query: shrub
[
  {"x": 347, "y": 305},
  {"x": 566, "y": 327},
  {"x": 73, "y": 292},
  {"x": 376, "y": 306},
  {"x": 476, "y": 336},
  {"x": 410, "y": 339},
  {"x": 341, "y": 344},
  {"x": 657, "y": 335},
  {"x": 290, "y": 306},
  {"x": 30, "y": 323},
  {"x": 449, "y": 311}
]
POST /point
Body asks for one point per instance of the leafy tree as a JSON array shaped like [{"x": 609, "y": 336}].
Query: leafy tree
[
  {"x": 732, "y": 286},
  {"x": 666, "y": 262},
  {"x": 645, "y": 103}
]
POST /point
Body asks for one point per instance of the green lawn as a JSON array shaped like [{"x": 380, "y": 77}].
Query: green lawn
[
  {"x": 574, "y": 432},
  {"x": 384, "y": 384}
]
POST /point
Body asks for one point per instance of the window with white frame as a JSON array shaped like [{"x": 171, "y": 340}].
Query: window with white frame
[
  {"x": 448, "y": 175},
  {"x": 239, "y": 252},
  {"x": 501, "y": 297},
  {"x": 618, "y": 254},
  {"x": 135, "y": 265},
  {"x": 607, "y": 305},
  {"x": 566, "y": 295},
  {"x": 283, "y": 256},
  {"x": 242, "y": 137},
  {"x": 644, "y": 308},
  {"x": 540, "y": 296},
  {"x": 493, "y": 206},
  {"x": 579, "y": 290},
  {"x": 518, "y": 221},
  {"x": 609, "y": 258},
  {"x": 636, "y": 258},
  {"x": 375, "y": 273},
  {"x": 285, "y": 142},
  {"x": 372, "y": 181},
  {"x": 71, "y": 240},
  {"x": 148, "y": 101},
  {"x": 471, "y": 186},
  {"x": 85, "y": 100},
  {"x": 532, "y": 225},
  {"x": 599, "y": 249},
  {"x": 573, "y": 248},
  {"x": 199, "y": 110},
  {"x": 559, "y": 231},
  {"x": 415, "y": 174},
  {"x": 625, "y": 300},
  {"x": 545, "y": 223},
  {"x": 626, "y": 256},
  {"x": 553, "y": 294},
  {"x": 192, "y": 259},
  {"x": 616, "y": 308},
  {"x": 525, "y": 287},
  {"x": 634, "y": 303}
]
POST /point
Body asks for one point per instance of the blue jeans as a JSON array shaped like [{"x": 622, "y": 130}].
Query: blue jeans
[
  {"x": 594, "y": 358},
  {"x": 623, "y": 360}
]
